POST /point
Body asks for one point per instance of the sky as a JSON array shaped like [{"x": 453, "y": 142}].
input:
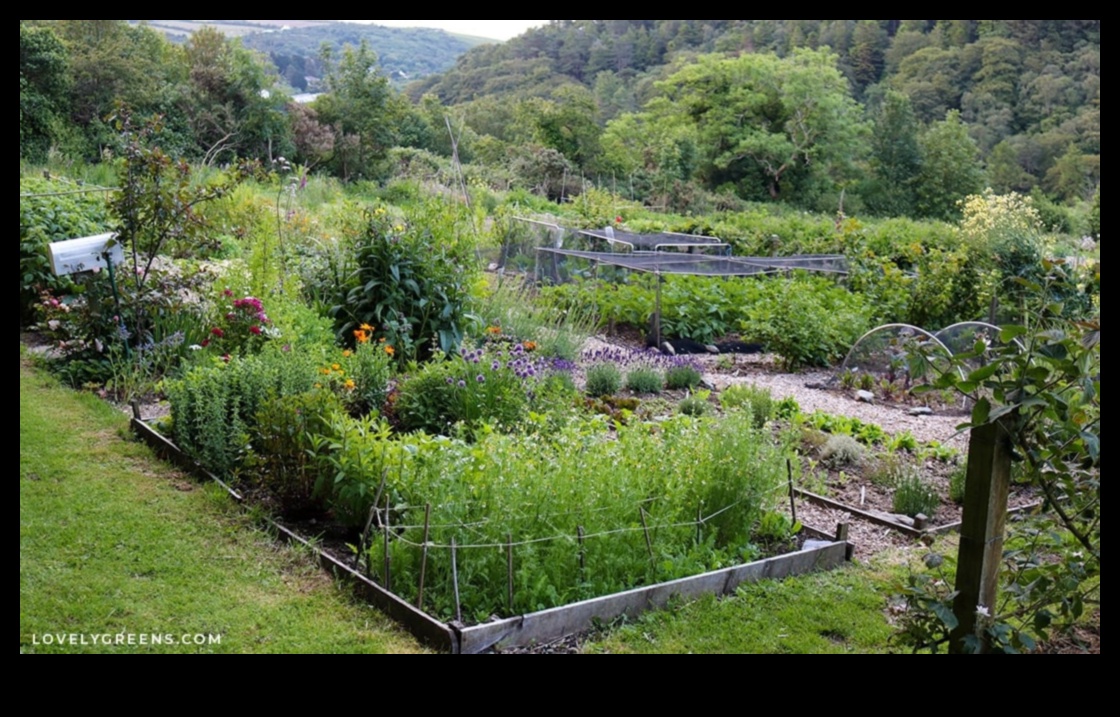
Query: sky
[{"x": 494, "y": 29}]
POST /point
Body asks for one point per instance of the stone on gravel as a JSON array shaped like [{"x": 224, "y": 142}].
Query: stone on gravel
[
  {"x": 921, "y": 411},
  {"x": 865, "y": 397}
]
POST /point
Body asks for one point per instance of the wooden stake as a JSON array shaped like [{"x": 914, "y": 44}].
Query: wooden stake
[
  {"x": 792, "y": 492},
  {"x": 842, "y": 532},
  {"x": 424, "y": 556},
  {"x": 982, "y": 528},
  {"x": 388, "y": 582},
  {"x": 509, "y": 569},
  {"x": 645, "y": 528},
  {"x": 582, "y": 557},
  {"x": 700, "y": 525},
  {"x": 455, "y": 580}
]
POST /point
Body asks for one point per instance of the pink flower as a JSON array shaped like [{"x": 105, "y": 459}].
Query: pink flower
[
  {"x": 226, "y": 358},
  {"x": 231, "y": 316},
  {"x": 228, "y": 294},
  {"x": 255, "y": 330}
]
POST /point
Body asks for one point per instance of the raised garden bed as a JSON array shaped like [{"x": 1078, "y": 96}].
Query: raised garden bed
[{"x": 548, "y": 625}]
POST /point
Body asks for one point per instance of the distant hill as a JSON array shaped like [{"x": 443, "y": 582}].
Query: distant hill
[{"x": 406, "y": 54}]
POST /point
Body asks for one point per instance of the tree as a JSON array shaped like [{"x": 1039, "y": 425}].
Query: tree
[
  {"x": 43, "y": 86},
  {"x": 363, "y": 110},
  {"x": 896, "y": 157},
  {"x": 951, "y": 168},
  {"x": 769, "y": 125}
]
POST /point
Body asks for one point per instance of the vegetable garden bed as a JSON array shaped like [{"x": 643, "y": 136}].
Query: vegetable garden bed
[{"x": 544, "y": 625}]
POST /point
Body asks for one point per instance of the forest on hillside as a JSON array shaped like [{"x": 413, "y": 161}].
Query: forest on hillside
[{"x": 884, "y": 117}]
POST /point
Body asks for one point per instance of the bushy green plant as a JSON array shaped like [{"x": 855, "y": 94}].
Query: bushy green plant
[
  {"x": 696, "y": 406},
  {"x": 476, "y": 388},
  {"x": 914, "y": 496},
  {"x": 841, "y": 452},
  {"x": 957, "y": 481},
  {"x": 407, "y": 280},
  {"x": 683, "y": 378},
  {"x": 809, "y": 323},
  {"x": 214, "y": 406},
  {"x": 539, "y": 488},
  {"x": 603, "y": 379},
  {"x": 645, "y": 380},
  {"x": 760, "y": 401}
]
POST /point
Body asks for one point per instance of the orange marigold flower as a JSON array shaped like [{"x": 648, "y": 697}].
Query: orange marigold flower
[
  {"x": 347, "y": 353},
  {"x": 530, "y": 345},
  {"x": 362, "y": 336},
  {"x": 325, "y": 371},
  {"x": 367, "y": 328},
  {"x": 494, "y": 330},
  {"x": 390, "y": 350},
  {"x": 335, "y": 367}
]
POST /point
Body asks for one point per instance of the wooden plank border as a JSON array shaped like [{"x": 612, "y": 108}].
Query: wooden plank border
[
  {"x": 557, "y": 623},
  {"x": 904, "y": 529}
]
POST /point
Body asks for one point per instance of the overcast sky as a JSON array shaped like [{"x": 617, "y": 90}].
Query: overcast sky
[{"x": 495, "y": 29}]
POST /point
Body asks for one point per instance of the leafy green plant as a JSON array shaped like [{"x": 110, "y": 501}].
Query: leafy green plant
[
  {"x": 407, "y": 280},
  {"x": 1044, "y": 390},
  {"x": 760, "y": 401},
  {"x": 957, "y": 481},
  {"x": 603, "y": 379},
  {"x": 841, "y": 452},
  {"x": 913, "y": 495},
  {"x": 683, "y": 378},
  {"x": 697, "y": 405},
  {"x": 645, "y": 380}
]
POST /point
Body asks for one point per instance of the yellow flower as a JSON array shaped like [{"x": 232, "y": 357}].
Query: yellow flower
[
  {"x": 347, "y": 353},
  {"x": 335, "y": 367},
  {"x": 325, "y": 371},
  {"x": 349, "y": 385},
  {"x": 366, "y": 327}
]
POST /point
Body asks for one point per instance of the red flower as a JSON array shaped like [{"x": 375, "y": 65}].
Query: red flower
[
  {"x": 205, "y": 343},
  {"x": 255, "y": 330},
  {"x": 217, "y": 332}
]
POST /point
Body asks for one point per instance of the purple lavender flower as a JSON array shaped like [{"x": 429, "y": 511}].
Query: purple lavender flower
[
  {"x": 462, "y": 384},
  {"x": 480, "y": 378}
]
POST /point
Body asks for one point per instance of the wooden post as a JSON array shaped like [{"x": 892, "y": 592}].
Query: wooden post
[
  {"x": 792, "y": 501},
  {"x": 388, "y": 558},
  {"x": 649, "y": 541},
  {"x": 455, "y": 580},
  {"x": 842, "y": 532},
  {"x": 509, "y": 569},
  {"x": 424, "y": 556},
  {"x": 582, "y": 556},
  {"x": 982, "y": 528}
]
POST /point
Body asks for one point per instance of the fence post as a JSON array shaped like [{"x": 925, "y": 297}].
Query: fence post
[{"x": 982, "y": 528}]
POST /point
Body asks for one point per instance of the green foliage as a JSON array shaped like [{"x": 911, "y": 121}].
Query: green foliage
[
  {"x": 538, "y": 489},
  {"x": 46, "y": 219},
  {"x": 842, "y": 452},
  {"x": 758, "y": 400},
  {"x": 914, "y": 496},
  {"x": 603, "y": 379},
  {"x": 1045, "y": 391},
  {"x": 808, "y": 326},
  {"x": 951, "y": 168},
  {"x": 215, "y": 406},
  {"x": 957, "y": 481},
  {"x": 645, "y": 380},
  {"x": 1095, "y": 217},
  {"x": 405, "y": 279},
  {"x": 696, "y": 405},
  {"x": 43, "y": 86},
  {"x": 476, "y": 391},
  {"x": 683, "y": 378},
  {"x": 896, "y": 157}
]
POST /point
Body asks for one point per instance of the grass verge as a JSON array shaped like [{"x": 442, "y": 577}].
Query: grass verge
[
  {"x": 115, "y": 543},
  {"x": 840, "y": 612}
]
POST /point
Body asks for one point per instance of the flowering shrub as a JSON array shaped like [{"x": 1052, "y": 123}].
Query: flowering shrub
[
  {"x": 242, "y": 330},
  {"x": 495, "y": 387}
]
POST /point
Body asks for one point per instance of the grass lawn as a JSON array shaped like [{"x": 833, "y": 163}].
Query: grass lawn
[
  {"x": 829, "y": 613},
  {"x": 114, "y": 542}
]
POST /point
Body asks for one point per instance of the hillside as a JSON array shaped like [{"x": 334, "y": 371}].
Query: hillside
[{"x": 406, "y": 54}]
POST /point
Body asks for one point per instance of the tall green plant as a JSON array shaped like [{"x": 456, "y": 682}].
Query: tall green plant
[{"x": 407, "y": 280}]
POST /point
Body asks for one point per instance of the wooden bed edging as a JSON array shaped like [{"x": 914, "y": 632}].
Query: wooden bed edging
[
  {"x": 428, "y": 630},
  {"x": 560, "y": 622},
  {"x": 904, "y": 529},
  {"x": 547, "y": 625}
]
